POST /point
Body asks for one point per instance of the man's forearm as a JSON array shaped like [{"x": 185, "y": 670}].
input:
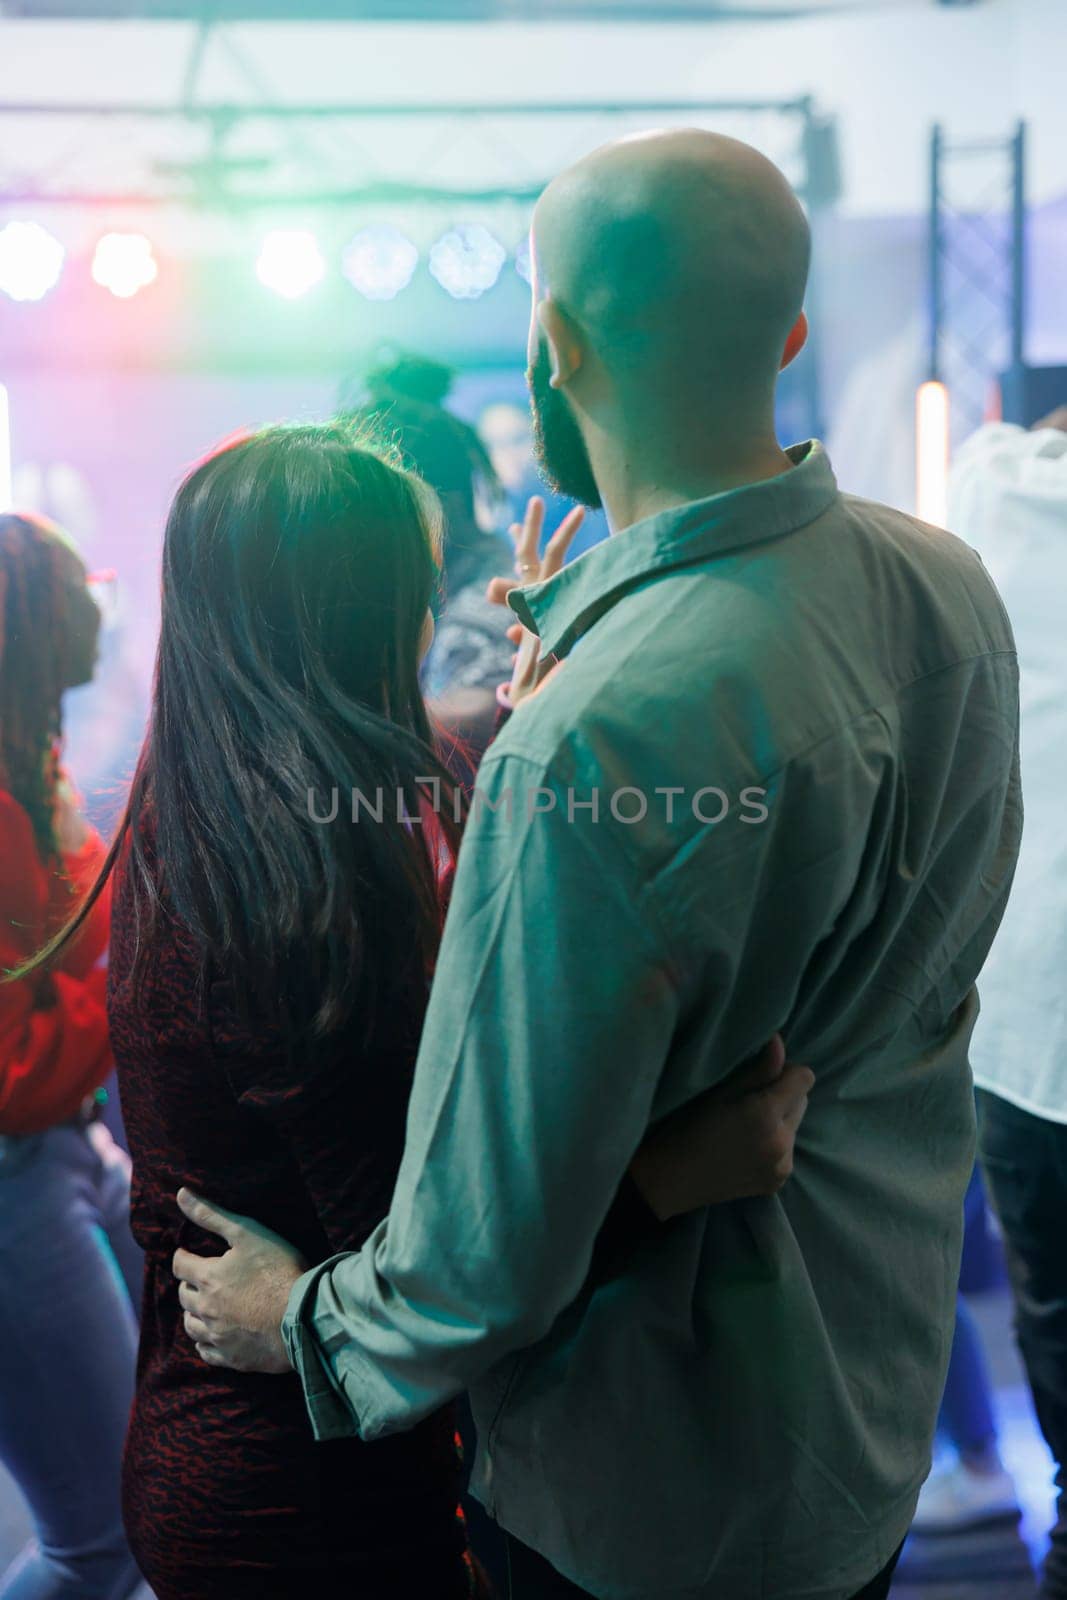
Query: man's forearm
[{"x": 375, "y": 1358}]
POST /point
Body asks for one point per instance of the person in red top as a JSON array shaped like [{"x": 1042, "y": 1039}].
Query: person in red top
[{"x": 68, "y": 1263}]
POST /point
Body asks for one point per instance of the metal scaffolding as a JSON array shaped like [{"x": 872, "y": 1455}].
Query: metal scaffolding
[
  {"x": 977, "y": 267},
  {"x": 260, "y": 153}
]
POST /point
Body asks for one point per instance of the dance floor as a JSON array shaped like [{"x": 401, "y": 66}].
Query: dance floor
[
  {"x": 998, "y": 1563},
  {"x": 993, "y": 1565}
]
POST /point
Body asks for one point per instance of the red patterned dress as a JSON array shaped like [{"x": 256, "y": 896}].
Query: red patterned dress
[{"x": 227, "y": 1496}]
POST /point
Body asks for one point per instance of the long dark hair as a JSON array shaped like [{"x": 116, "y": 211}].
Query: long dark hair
[
  {"x": 298, "y": 566},
  {"x": 39, "y": 572}
]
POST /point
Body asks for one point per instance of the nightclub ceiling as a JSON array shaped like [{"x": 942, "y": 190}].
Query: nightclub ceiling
[{"x": 442, "y": 10}]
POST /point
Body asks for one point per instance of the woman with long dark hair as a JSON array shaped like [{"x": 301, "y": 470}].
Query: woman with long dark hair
[
  {"x": 279, "y": 888},
  {"x": 68, "y": 1264},
  {"x": 269, "y": 969}
]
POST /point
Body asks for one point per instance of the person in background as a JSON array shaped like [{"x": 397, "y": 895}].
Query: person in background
[
  {"x": 69, "y": 1270},
  {"x": 970, "y": 1485},
  {"x": 506, "y": 430},
  {"x": 470, "y": 655},
  {"x": 1008, "y": 497}
]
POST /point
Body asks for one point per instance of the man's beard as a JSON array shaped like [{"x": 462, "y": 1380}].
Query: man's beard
[{"x": 558, "y": 444}]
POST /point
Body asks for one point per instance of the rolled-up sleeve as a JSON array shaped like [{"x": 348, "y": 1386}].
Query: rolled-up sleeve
[{"x": 552, "y": 1013}]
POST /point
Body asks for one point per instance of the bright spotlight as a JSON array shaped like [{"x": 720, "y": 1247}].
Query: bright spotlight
[
  {"x": 31, "y": 260},
  {"x": 467, "y": 261},
  {"x": 124, "y": 263},
  {"x": 931, "y": 453},
  {"x": 380, "y": 261},
  {"x": 290, "y": 262}
]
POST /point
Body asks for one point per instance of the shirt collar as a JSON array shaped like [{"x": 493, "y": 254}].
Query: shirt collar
[{"x": 561, "y": 609}]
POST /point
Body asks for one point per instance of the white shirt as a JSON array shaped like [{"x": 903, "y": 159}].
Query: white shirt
[{"x": 1008, "y": 498}]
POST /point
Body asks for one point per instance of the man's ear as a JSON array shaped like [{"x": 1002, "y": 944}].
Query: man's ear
[
  {"x": 563, "y": 339},
  {"x": 798, "y": 338}
]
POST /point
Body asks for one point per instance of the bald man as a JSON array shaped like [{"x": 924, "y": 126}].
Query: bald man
[{"x": 769, "y": 784}]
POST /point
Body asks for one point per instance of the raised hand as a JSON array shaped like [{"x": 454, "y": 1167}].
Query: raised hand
[{"x": 532, "y": 567}]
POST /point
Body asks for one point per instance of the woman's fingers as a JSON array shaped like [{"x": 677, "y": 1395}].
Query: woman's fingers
[
  {"x": 560, "y": 542},
  {"x": 793, "y": 1089},
  {"x": 760, "y": 1070},
  {"x": 530, "y": 565},
  {"x": 524, "y": 671},
  {"x": 528, "y": 538}
]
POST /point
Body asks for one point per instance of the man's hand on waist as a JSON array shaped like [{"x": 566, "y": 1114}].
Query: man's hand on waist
[{"x": 234, "y": 1303}]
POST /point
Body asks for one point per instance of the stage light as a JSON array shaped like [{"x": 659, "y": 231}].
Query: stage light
[
  {"x": 523, "y": 264},
  {"x": 124, "y": 263},
  {"x": 5, "y": 452},
  {"x": 31, "y": 260},
  {"x": 380, "y": 261},
  {"x": 467, "y": 261},
  {"x": 931, "y": 453},
  {"x": 290, "y": 262}
]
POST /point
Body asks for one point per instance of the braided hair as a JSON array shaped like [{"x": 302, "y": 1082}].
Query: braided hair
[{"x": 36, "y": 572}]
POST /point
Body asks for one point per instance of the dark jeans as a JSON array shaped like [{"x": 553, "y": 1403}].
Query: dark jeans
[
  {"x": 531, "y": 1578},
  {"x": 966, "y": 1416},
  {"x": 69, "y": 1271},
  {"x": 1025, "y": 1163}
]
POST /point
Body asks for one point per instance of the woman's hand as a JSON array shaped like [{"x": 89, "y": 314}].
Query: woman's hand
[
  {"x": 530, "y": 567},
  {"x": 731, "y": 1143}
]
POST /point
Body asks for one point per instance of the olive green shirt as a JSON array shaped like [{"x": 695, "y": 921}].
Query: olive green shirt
[{"x": 772, "y": 786}]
